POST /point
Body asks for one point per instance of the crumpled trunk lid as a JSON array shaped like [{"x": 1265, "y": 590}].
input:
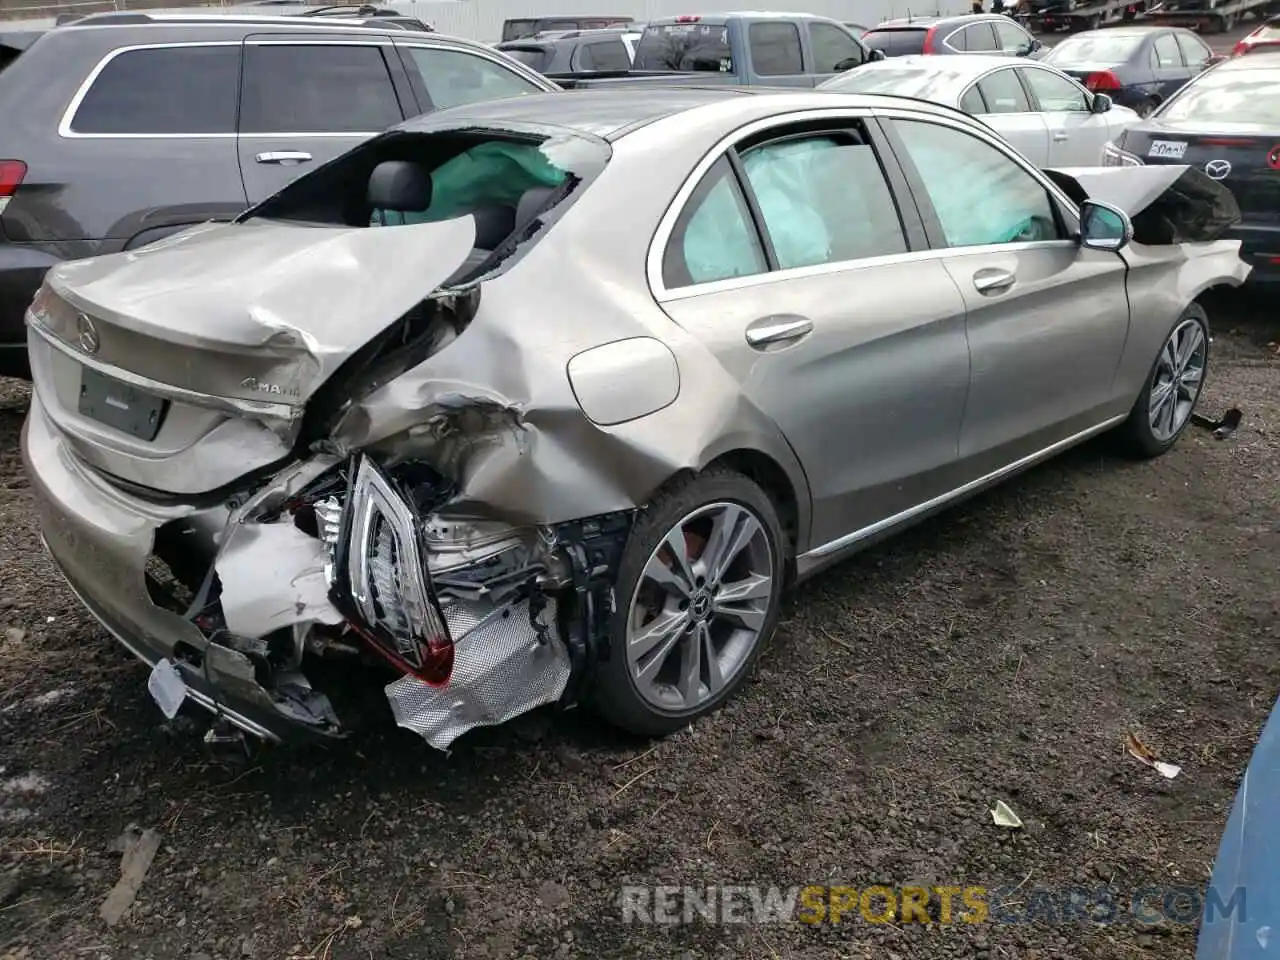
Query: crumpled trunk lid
[
  {"x": 259, "y": 311},
  {"x": 186, "y": 365}
]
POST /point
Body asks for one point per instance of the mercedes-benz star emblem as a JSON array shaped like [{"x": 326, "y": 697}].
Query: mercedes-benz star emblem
[
  {"x": 88, "y": 335},
  {"x": 1217, "y": 169}
]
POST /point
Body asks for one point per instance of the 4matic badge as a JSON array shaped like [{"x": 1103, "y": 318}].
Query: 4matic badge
[{"x": 261, "y": 386}]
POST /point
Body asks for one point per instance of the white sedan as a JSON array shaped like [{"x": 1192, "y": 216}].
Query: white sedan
[{"x": 1048, "y": 116}]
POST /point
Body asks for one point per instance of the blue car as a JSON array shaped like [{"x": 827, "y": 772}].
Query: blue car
[
  {"x": 1248, "y": 866},
  {"x": 1137, "y": 67}
]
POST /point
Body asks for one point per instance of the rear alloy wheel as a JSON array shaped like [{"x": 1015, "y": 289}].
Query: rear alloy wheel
[
  {"x": 702, "y": 578},
  {"x": 1172, "y": 388}
]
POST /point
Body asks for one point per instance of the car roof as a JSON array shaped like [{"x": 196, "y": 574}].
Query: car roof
[
  {"x": 723, "y": 16},
  {"x": 924, "y": 23},
  {"x": 612, "y": 114},
  {"x": 1257, "y": 60},
  {"x": 603, "y": 113},
  {"x": 970, "y": 65}
]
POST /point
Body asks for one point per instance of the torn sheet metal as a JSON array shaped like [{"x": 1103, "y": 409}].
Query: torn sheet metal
[
  {"x": 273, "y": 576},
  {"x": 1168, "y": 203},
  {"x": 259, "y": 311},
  {"x": 501, "y": 669}
]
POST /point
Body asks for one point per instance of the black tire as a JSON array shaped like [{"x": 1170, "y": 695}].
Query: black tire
[
  {"x": 1147, "y": 106},
  {"x": 614, "y": 694},
  {"x": 1134, "y": 438}
]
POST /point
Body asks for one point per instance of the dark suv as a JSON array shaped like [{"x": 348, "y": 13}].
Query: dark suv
[
  {"x": 120, "y": 129},
  {"x": 989, "y": 33}
]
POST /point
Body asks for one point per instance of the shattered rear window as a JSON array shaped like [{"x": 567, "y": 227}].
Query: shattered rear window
[{"x": 508, "y": 180}]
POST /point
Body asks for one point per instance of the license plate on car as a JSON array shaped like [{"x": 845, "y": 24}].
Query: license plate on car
[
  {"x": 1169, "y": 149},
  {"x": 119, "y": 405}
]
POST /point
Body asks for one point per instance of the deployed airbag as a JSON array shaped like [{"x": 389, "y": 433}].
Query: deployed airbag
[{"x": 489, "y": 174}]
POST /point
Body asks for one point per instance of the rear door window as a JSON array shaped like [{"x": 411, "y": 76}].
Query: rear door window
[
  {"x": 1194, "y": 52},
  {"x": 1003, "y": 93},
  {"x": 823, "y": 199},
  {"x": 895, "y": 43},
  {"x": 1167, "y": 53},
  {"x": 684, "y": 46},
  {"x": 979, "y": 38},
  {"x": 775, "y": 49},
  {"x": 188, "y": 90},
  {"x": 316, "y": 88},
  {"x": 833, "y": 49},
  {"x": 1012, "y": 38},
  {"x": 452, "y": 77},
  {"x": 1055, "y": 94},
  {"x": 603, "y": 55}
]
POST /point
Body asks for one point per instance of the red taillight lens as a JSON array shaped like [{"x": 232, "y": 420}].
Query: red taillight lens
[
  {"x": 11, "y": 175},
  {"x": 928, "y": 41},
  {"x": 1240, "y": 48},
  {"x": 688, "y": 18},
  {"x": 1102, "y": 80},
  {"x": 1226, "y": 142}
]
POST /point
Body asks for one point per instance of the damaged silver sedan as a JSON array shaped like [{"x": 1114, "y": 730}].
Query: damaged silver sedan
[{"x": 546, "y": 400}]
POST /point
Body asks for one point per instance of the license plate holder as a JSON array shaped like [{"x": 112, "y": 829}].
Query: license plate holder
[
  {"x": 119, "y": 405},
  {"x": 1168, "y": 149}
]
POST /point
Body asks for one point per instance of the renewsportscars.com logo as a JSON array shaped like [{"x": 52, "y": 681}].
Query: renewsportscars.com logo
[{"x": 818, "y": 904}]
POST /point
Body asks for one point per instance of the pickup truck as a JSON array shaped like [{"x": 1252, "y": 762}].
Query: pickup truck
[{"x": 768, "y": 49}]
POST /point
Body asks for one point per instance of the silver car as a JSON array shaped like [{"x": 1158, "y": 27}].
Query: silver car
[
  {"x": 546, "y": 400},
  {"x": 1048, "y": 116}
]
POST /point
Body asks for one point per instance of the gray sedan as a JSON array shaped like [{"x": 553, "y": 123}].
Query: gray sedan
[{"x": 548, "y": 399}]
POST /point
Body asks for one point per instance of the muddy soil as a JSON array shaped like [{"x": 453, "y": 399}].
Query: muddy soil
[{"x": 1000, "y": 652}]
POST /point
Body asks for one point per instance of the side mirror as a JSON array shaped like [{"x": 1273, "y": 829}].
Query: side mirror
[
  {"x": 400, "y": 186},
  {"x": 877, "y": 54},
  {"x": 848, "y": 63},
  {"x": 1101, "y": 103},
  {"x": 1104, "y": 227}
]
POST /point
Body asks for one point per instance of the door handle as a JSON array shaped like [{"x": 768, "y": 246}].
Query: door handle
[
  {"x": 781, "y": 328},
  {"x": 287, "y": 157},
  {"x": 993, "y": 281},
  {"x": 1059, "y": 137}
]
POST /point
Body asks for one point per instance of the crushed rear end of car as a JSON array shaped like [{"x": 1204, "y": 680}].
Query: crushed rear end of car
[{"x": 304, "y": 436}]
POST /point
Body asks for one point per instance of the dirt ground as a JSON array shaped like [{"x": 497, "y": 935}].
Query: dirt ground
[{"x": 1000, "y": 652}]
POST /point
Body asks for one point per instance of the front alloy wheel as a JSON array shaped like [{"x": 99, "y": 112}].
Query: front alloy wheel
[
  {"x": 702, "y": 581},
  {"x": 1172, "y": 388}
]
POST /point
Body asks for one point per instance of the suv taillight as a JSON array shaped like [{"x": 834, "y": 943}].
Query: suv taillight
[
  {"x": 12, "y": 173},
  {"x": 928, "y": 47}
]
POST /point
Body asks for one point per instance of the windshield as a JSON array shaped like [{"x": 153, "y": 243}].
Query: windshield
[
  {"x": 684, "y": 46},
  {"x": 901, "y": 79},
  {"x": 1235, "y": 96},
  {"x": 895, "y": 43},
  {"x": 1106, "y": 49}
]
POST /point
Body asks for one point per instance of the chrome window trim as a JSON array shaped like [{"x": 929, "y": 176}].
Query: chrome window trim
[
  {"x": 666, "y": 225},
  {"x": 510, "y": 64},
  {"x": 65, "y": 129}
]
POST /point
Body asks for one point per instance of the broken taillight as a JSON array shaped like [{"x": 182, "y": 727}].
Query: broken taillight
[{"x": 381, "y": 568}]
